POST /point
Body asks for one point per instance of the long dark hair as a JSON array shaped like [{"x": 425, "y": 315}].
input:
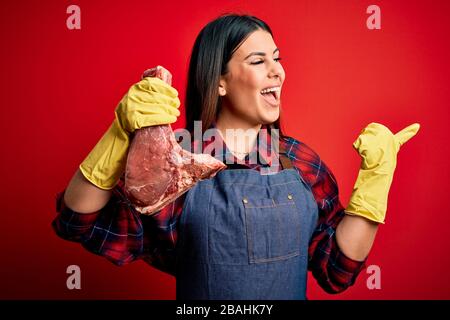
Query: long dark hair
[{"x": 213, "y": 48}]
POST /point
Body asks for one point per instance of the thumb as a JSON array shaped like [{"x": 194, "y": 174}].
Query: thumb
[{"x": 407, "y": 133}]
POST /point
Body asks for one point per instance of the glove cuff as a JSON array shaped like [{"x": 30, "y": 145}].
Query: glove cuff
[
  {"x": 106, "y": 162},
  {"x": 370, "y": 195}
]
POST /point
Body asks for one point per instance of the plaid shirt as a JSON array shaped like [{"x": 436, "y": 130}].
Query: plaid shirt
[{"x": 120, "y": 234}]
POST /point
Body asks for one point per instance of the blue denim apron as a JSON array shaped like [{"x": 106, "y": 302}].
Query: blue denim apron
[{"x": 243, "y": 235}]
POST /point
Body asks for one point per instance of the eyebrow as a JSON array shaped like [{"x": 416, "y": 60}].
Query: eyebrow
[{"x": 259, "y": 54}]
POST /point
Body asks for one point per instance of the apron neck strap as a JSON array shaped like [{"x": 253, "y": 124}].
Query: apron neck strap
[{"x": 286, "y": 163}]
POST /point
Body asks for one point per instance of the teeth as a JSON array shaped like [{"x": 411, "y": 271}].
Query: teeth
[{"x": 274, "y": 89}]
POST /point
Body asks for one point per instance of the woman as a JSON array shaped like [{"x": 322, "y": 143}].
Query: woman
[{"x": 242, "y": 234}]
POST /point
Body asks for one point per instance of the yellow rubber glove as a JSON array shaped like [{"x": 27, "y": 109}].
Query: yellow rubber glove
[
  {"x": 149, "y": 102},
  {"x": 378, "y": 148}
]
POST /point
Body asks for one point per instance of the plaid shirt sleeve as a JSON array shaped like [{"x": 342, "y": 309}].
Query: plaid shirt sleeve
[
  {"x": 121, "y": 234},
  {"x": 332, "y": 269}
]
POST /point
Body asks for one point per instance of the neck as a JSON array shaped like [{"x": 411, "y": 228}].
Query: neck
[{"x": 239, "y": 135}]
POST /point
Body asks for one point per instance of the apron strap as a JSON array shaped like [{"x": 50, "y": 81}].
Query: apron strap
[{"x": 286, "y": 163}]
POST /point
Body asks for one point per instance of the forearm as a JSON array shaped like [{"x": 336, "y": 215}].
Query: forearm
[
  {"x": 84, "y": 197},
  {"x": 355, "y": 236}
]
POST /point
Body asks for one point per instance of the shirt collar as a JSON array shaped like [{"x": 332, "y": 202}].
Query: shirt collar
[{"x": 260, "y": 150}]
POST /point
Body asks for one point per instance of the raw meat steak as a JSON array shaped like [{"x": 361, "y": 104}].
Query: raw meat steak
[{"x": 158, "y": 170}]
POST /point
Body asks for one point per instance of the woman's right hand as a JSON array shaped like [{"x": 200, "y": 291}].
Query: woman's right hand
[{"x": 150, "y": 102}]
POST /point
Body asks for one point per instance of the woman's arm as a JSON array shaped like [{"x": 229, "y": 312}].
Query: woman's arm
[
  {"x": 115, "y": 231},
  {"x": 355, "y": 236},
  {"x": 84, "y": 197},
  {"x": 149, "y": 102},
  {"x": 378, "y": 148}
]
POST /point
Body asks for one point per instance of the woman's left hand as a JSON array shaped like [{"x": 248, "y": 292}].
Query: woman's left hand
[{"x": 378, "y": 148}]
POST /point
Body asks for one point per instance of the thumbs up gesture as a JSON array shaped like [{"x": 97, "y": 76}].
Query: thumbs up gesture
[{"x": 378, "y": 148}]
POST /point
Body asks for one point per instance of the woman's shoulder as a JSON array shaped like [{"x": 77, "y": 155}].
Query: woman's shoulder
[
  {"x": 299, "y": 150},
  {"x": 307, "y": 161}
]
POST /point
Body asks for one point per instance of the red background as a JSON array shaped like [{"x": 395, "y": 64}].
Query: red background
[{"x": 59, "y": 89}]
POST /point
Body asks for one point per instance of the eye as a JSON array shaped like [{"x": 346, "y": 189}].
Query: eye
[{"x": 262, "y": 61}]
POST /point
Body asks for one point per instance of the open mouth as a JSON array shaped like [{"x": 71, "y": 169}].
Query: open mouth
[{"x": 271, "y": 95}]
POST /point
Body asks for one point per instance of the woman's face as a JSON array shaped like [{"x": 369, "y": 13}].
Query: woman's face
[{"x": 253, "y": 68}]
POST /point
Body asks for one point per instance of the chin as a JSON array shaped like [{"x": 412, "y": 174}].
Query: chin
[
  {"x": 268, "y": 119},
  {"x": 264, "y": 115}
]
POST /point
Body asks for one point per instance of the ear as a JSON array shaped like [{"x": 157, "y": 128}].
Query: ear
[{"x": 222, "y": 87}]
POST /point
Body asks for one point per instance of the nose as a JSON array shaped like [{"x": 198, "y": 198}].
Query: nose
[{"x": 276, "y": 71}]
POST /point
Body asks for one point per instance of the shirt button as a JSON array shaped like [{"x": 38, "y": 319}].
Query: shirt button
[
  {"x": 245, "y": 200},
  {"x": 290, "y": 196}
]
